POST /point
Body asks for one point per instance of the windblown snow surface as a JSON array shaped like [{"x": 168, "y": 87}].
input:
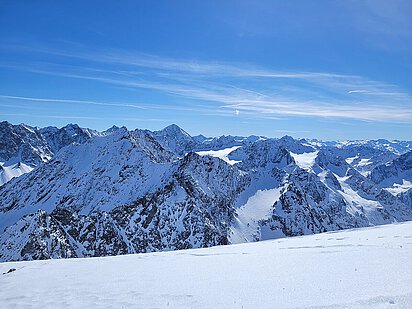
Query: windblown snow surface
[{"x": 361, "y": 268}]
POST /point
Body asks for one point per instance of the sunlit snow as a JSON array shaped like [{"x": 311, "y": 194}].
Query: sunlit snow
[
  {"x": 364, "y": 162},
  {"x": 258, "y": 207},
  {"x": 13, "y": 170},
  {"x": 400, "y": 188},
  {"x": 350, "y": 160},
  {"x": 305, "y": 160},
  {"x": 222, "y": 154},
  {"x": 361, "y": 268},
  {"x": 357, "y": 204}
]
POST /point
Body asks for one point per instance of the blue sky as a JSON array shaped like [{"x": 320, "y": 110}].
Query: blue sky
[{"x": 316, "y": 69}]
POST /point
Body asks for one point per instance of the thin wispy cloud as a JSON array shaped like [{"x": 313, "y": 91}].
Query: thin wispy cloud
[
  {"x": 18, "y": 99},
  {"x": 51, "y": 100},
  {"x": 358, "y": 91},
  {"x": 231, "y": 89},
  {"x": 48, "y": 116},
  {"x": 83, "y": 117}
]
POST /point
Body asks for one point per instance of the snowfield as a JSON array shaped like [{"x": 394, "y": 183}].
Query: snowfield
[
  {"x": 13, "y": 170},
  {"x": 305, "y": 160},
  {"x": 221, "y": 154},
  {"x": 400, "y": 188},
  {"x": 258, "y": 207},
  {"x": 361, "y": 268}
]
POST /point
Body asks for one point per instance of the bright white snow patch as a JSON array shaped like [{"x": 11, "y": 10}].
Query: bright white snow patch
[
  {"x": 14, "y": 170},
  {"x": 222, "y": 154},
  {"x": 364, "y": 162},
  {"x": 360, "y": 268},
  {"x": 258, "y": 207},
  {"x": 356, "y": 203},
  {"x": 305, "y": 160},
  {"x": 400, "y": 188},
  {"x": 350, "y": 160}
]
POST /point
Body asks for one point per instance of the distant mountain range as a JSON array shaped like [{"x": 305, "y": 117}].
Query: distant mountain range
[{"x": 76, "y": 192}]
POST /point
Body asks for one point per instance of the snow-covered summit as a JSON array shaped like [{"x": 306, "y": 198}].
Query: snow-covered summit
[
  {"x": 128, "y": 191},
  {"x": 174, "y": 139}
]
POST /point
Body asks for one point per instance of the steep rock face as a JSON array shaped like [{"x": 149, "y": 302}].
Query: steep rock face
[
  {"x": 97, "y": 174},
  {"x": 327, "y": 195},
  {"x": 395, "y": 178},
  {"x": 396, "y": 147},
  {"x": 135, "y": 199},
  {"x": 121, "y": 191},
  {"x": 212, "y": 175},
  {"x": 328, "y": 160},
  {"x": 36, "y": 236},
  {"x": 406, "y": 197},
  {"x": 295, "y": 146},
  {"x": 262, "y": 155},
  {"x": 306, "y": 206},
  {"x": 400, "y": 168},
  {"x": 22, "y": 148},
  {"x": 23, "y": 144},
  {"x": 174, "y": 139},
  {"x": 224, "y": 141},
  {"x": 364, "y": 158},
  {"x": 362, "y": 196},
  {"x": 71, "y": 134}
]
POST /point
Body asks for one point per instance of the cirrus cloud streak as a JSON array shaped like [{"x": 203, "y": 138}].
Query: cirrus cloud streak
[{"x": 228, "y": 88}]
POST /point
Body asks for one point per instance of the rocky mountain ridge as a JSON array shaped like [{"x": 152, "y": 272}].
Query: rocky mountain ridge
[
  {"x": 121, "y": 191},
  {"x": 22, "y": 147}
]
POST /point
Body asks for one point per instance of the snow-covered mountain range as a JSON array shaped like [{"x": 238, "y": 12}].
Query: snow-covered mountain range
[{"x": 75, "y": 192}]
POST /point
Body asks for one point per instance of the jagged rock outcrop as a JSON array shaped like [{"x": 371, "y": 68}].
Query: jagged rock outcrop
[
  {"x": 124, "y": 193},
  {"x": 392, "y": 172},
  {"x": 174, "y": 139},
  {"x": 121, "y": 191},
  {"x": 22, "y": 148}
]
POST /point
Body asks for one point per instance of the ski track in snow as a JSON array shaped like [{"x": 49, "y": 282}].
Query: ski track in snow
[
  {"x": 360, "y": 268},
  {"x": 221, "y": 154}
]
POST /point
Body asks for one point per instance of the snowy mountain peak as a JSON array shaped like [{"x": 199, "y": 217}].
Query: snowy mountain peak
[
  {"x": 200, "y": 138},
  {"x": 174, "y": 129},
  {"x": 287, "y": 139},
  {"x": 110, "y": 130},
  {"x": 86, "y": 193},
  {"x": 175, "y": 139}
]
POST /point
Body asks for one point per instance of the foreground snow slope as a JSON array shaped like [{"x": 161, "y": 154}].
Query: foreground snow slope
[{"x": 359, "y": 268}]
